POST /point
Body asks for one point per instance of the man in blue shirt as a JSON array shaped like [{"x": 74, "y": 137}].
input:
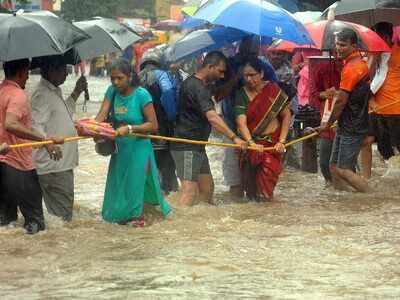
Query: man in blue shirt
[{"x": 163, "y": 88}]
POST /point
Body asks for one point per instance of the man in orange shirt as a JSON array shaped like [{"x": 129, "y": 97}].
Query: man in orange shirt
[
  {"x": 19, "y": 185},
  {"x": 351, "y": 112},
  {"x": 385, "y": 120}
]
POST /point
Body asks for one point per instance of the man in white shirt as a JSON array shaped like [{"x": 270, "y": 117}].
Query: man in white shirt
[{"x": 52, "y": 115}]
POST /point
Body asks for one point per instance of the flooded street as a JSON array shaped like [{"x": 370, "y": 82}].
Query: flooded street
[{"x": 309, "y": 243}]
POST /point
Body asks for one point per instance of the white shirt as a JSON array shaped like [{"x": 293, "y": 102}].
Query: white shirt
[
  {"x": 381, "y": 73},
  {"x": 52, "y": 115}
]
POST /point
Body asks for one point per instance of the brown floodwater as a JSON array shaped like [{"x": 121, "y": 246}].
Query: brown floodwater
[{"x": 311, "y": 242}]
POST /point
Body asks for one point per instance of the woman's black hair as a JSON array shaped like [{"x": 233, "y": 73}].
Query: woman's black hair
[
  {"x": 255, "y": 63},
  {"x": 125, "y": 67}
]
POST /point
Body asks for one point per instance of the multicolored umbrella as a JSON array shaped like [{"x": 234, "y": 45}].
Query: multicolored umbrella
[
  {"x": 323, "y": 34},
  {"x": 258, "y": 17}
]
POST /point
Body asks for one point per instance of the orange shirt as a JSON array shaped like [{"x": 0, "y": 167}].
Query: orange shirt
[
  {"x": 390, "y": 90},
  {"x": 14, "y": 100},
  {"x": 354, "y": 69}
]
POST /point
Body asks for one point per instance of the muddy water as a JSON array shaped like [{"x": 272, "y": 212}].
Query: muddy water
[{"x": 310, "y": 243}]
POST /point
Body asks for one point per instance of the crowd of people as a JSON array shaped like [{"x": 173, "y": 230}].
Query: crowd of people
[{"x": 258, "y": 92}]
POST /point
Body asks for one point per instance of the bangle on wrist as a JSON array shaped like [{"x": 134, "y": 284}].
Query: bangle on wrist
[
  {"x": 130, "y": 129},
  {"x": 282, "y": 142},
  {"x": 250, "y": 142}
]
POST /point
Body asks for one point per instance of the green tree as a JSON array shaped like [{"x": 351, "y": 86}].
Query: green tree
[{"x": 79, "y": 10}]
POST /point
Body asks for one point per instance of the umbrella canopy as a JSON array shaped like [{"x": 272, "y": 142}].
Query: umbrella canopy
[
  {"x": 167, "y": 25},
  {"x": 366, "y": 12},
  {"x": 29, "y": 35},
  {"x": 255, "y": 16},
  {"x": 323, "y": 34},
  {"x": 203, "y": 40},
  {"x": 107, "y": 36}
]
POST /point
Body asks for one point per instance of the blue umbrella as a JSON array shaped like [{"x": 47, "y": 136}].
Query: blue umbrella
[
  {"x": 255, "y": 16},
  {"x": 203, "y": 40}
]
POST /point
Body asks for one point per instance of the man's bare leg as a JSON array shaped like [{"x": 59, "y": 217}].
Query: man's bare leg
[
  {"x": 337, "y": 181},
  {"x": 206, "y": 188},
  {"x": 366, "y": 157},
  {"x": 357, "y": 182},
  {"x": 188, "y": 193}
]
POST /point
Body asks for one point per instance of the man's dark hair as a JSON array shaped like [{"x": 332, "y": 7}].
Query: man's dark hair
[
  {"x": 213, "y": 58},
  {"x": 347, "y": 35},
  {"x": 384, "y": 28},
  {"x": 51, "y": 62},
  {"x": 11, "y": 68}
]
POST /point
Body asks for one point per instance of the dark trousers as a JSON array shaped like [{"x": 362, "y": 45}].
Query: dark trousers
[
  {"x": 20, "y": 189},
  {"x": 167, "y": 170},
  {"x": 325, "y": 150}
]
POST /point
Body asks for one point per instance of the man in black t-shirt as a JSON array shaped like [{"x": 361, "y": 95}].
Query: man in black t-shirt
[{"x": 196, "y": 115}]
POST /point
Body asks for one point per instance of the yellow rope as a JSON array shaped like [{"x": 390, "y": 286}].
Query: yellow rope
[{"x": 186, "y": 141}]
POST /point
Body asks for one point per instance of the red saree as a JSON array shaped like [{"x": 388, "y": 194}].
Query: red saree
[{"x": 261, "y": 170}]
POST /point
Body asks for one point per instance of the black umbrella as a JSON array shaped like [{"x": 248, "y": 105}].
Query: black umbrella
[
  {"x": 107, "y": 36},
  {"x": 30, "y": 35},
  {"x": 366, "y": 12}
]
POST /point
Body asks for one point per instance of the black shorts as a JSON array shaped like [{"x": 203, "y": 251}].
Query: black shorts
[
  {"x": 191, "y": 164},
  {"x": 386, "y": 130}
]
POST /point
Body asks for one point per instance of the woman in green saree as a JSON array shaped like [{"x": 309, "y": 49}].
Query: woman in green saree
[{"x": 132, "y": 176}]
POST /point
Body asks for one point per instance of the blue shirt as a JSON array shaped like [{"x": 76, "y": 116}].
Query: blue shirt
[{"x": 168, "y": 93}]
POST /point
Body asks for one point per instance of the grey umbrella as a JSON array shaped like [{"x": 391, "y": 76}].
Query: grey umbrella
[
  {"x": 28, "y": 35},
  {"x": 107, "y": 36},
  {"x": 366, "y": 12}
]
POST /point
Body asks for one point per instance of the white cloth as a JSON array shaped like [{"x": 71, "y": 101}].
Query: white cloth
[
  {"x": 381, "y": 73},
  {"x": 52, "y": 115}
]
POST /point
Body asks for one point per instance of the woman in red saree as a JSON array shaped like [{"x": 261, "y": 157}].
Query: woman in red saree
[{"x": 263, "y": 120}]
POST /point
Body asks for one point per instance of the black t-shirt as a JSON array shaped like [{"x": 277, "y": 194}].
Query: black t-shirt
[
  {"x": 194, "y": 102},
  {"x": 354, "y": 118}
]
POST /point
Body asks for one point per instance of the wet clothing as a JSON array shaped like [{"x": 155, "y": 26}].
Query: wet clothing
[
  {"x": 323, "y": 77},
  {"x": 20, "y": 189},
  {"x": 14, "y": 100},
  {"x": 58, "y": 193},
  {"x": 345, "y": 151},
  {"x": 390, "y": 90},
  {"x": 132, "y": 177},
  {"x": 191, "y": 164},
  {"x": 163, "y": 89},
  {"x": 52, "y": 115},
  {"x": 264, "y": 167},
  {"x": 386, "y": 130},
  {"x": 353, "y": 121},
  {"x": 194, "y": 102},
  {"x": 19, "y": 185}
]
